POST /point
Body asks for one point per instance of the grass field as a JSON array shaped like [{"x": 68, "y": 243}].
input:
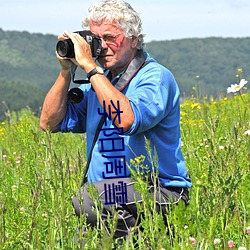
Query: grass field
[{"x": 40, "y": 172}]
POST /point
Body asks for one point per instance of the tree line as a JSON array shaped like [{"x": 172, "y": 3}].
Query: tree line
[{"x": 202, "y": 67}]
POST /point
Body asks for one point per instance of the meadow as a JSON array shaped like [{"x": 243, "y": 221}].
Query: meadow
[{"x": 40, "y": 172}]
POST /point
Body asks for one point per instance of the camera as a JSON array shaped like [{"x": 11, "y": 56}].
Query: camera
[{"x": 65, "y": 48}]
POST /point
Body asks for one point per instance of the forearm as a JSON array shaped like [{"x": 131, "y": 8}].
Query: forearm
[
  {"x": 105, "y": 91},
  {"x": 55, "y": 103}
]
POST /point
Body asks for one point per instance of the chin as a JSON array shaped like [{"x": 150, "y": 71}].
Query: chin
[{"x": 105, "y": 64}]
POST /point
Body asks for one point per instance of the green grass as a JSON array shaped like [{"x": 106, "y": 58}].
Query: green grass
[{"x": 40, "y": 172}]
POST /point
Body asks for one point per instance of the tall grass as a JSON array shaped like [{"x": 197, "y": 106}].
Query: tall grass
[{"x": 40, "y": 172}]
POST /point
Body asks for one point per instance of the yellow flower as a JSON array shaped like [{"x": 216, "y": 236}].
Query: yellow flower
[
  {"x": 138, "y": 160},
  {"x": 240, "y": 70},
  {"x": 132, "y": 162},
  {"x": 195, "y": 105}
]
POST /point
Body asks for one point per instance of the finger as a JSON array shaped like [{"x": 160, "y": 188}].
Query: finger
[
  {"x": 62, "y": 36},
  {"x": 66, "y": 33},
  {"x": 59, "y": 57},
  {"x": 70, "y": 34},
  {"x": 75, "y": 37},
  {"x": 69, "y": 60}
]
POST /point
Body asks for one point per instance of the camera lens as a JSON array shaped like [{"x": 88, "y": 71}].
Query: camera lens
[
  {"x": 75, "y": 95},
  {"x": 65, "y": 48}
]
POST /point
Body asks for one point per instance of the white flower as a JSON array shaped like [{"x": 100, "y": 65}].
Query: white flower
[
  {"x": 22, "y": 210},
  {"x": 242, "y": 248},
  {"x": 217, "y": 241},
  {"x": 237, "y": 87},
  {"x": 246, "y": 133}
]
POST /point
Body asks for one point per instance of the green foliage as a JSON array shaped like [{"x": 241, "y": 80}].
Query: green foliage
[
  {"x": 208, "y": 62},
  {"x": 28, "y": 58},
  {"x": 28, "y": 68},
  {"x": 14, "y": 95},
  {"x": 40, "y": 172},
  {"x": 203, "y": 67},
  {"x": 36, "y": 184}
]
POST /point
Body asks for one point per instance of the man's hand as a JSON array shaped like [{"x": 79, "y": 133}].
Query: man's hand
[
  {"x": 83, "y": 54},
  {"x": 66, "y": 63}
]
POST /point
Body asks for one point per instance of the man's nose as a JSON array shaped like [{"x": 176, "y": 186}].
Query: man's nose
[{"x": 104, "y": 44}]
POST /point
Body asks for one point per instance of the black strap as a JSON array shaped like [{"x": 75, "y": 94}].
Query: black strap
[
  {"x": 97, "y": 132},
  {"x": 136, "y": 64}
]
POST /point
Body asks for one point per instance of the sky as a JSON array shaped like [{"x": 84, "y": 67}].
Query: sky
[{"x": 162, "y": 19}]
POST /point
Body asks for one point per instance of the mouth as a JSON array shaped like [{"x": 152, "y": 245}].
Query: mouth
[{"x": 104, "y": 56}]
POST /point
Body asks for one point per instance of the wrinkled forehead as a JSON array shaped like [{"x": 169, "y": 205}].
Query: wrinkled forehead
[{"x": 101, "y": 20}]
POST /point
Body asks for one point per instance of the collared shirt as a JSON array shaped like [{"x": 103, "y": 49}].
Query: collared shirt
[{"x": 154, "y": 97}]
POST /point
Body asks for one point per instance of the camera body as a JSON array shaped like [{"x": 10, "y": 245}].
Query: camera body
[{"x": 65, "y": 48}]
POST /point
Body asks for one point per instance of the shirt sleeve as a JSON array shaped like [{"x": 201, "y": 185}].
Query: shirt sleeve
[{"x": 152, "y": 98}]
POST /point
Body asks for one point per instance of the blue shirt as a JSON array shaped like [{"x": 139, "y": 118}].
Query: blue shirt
[{"x": 154, "y": 97}]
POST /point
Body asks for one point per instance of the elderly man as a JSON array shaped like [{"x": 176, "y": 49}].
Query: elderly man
[{"x": 139, "y": 101}]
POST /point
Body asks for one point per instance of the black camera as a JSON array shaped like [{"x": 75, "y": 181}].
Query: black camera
[{"x": 65, "y": 48}]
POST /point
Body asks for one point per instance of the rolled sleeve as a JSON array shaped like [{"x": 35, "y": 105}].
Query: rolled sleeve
[
  {"x": 74, "y": 120},
  {"x": 152, "y": 99}
]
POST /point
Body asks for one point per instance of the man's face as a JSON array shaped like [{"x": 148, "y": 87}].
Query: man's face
[{"x": 118, "y": 50}]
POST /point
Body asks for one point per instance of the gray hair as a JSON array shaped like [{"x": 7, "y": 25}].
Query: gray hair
[{"x": 120, "y": 13}]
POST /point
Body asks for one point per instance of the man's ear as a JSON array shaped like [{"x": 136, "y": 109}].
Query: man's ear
[{"x": 134, "y": 42}]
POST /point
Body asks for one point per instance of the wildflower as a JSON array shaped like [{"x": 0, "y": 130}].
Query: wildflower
[
  {"x": 230, "y": 244},
  {"x": 221, "y": 147},
  {"x": 45, "y": 216},
  {"x": 192, "y": 240},
  {"x": 240, "y": 70},
  {"x": 248, "y": 230},
  {"x": 237, "y": 87},
  {"x": 198, "y": 182},
  {"x": 242, "y": 248},
  {"x": 14, "y": 188},
  {"x": 247, "y": 133},
  {"x": 132, "y": 162},
  {"x": 195, "y": 106},
  {"x": 216, "y": 241},
  {"x": 137, "y": 160}
]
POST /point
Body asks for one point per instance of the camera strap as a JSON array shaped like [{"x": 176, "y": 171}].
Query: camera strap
[{"x": 136, "y": 64}]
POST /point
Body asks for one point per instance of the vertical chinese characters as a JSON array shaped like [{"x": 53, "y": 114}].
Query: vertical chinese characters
[{"x": 115, "y": 166}]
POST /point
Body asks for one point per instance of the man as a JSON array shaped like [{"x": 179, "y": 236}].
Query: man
[{"x": 139, "y": 100}]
